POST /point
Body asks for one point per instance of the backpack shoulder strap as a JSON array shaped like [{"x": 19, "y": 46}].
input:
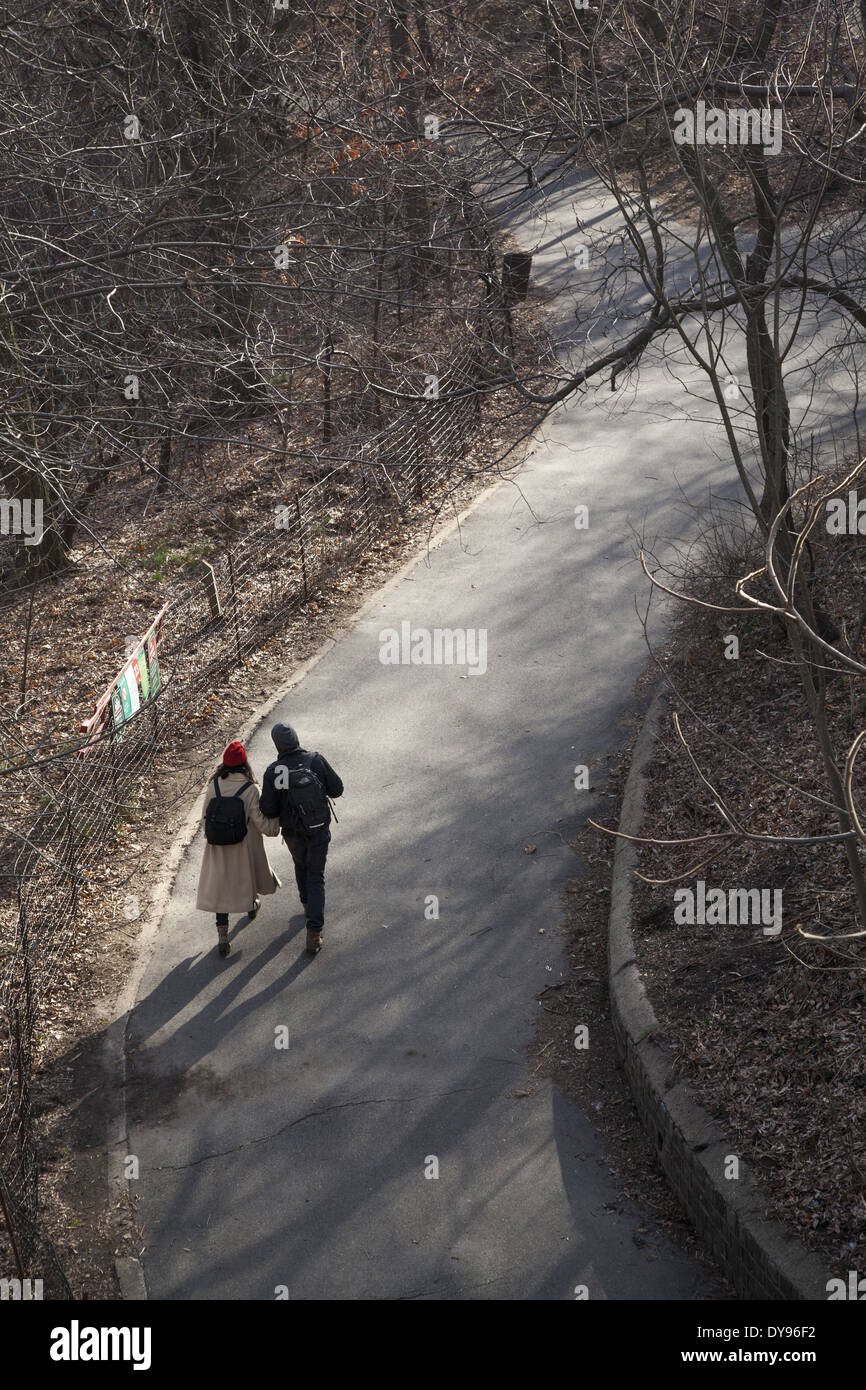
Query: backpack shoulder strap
[
  {"x": 216, "y": 782},
  {"x": 306, "y": 760},
  {"x": 308, "y": 764}
]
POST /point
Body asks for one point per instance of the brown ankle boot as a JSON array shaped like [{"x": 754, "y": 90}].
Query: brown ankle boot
[{"x": 314, "y": 942}]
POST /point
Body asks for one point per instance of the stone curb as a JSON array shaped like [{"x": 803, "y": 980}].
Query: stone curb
[
  {"x": 761, "y": 1259},
  {"x": 130, "y": 1278}
]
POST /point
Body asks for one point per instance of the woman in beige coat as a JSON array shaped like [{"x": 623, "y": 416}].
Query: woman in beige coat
[{"x": 233, "y": 877}]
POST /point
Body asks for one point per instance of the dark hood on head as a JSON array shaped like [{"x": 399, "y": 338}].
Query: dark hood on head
[{"x": 285, "y": 738}]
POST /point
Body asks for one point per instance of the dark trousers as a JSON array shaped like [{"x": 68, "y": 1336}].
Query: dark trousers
[{"x": 309, "y": 859}]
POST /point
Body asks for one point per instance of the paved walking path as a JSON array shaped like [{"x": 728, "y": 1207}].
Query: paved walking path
[{"x": 264, "y": 1167}]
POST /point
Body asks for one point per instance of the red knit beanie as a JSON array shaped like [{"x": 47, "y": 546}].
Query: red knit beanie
[{"x": 235, "y": 755}]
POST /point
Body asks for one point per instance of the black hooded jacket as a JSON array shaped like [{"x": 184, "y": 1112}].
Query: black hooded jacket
[{"x": 272, "y": 800}]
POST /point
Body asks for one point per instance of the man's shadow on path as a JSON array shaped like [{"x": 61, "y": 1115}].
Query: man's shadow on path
[{"x": 149, "y": 1072}]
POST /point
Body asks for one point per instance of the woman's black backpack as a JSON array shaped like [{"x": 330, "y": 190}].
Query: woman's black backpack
[{"x": 225, "y": 819}]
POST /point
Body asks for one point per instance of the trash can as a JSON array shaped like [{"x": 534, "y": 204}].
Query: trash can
[{"x": 516, "y": 267}]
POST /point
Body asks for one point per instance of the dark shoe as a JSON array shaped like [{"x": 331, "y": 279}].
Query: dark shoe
[
  {"x": 224, "y": 944},
  {"x": 314, "y": 942},
  {"x": 253, "y": 912}
]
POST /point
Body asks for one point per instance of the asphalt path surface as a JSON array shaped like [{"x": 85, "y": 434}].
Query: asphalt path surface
[{"x": 400, "y": 1145}]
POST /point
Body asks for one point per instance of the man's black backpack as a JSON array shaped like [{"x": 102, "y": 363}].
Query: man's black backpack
[
  {"x": 225, "y": 819},
  {"x": 304, "y": 808}
]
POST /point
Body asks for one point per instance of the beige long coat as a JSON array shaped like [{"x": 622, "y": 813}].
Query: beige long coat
[{"x": 233, "y": 875}]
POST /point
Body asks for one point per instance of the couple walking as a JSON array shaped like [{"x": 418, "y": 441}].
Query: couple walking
[{"x": 294, "y": 799}]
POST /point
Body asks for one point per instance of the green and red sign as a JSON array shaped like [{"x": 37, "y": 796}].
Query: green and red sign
[{"x": 138, "y": 682}]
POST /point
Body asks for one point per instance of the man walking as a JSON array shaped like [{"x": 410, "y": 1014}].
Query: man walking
[{"x": 296, "y": 788}]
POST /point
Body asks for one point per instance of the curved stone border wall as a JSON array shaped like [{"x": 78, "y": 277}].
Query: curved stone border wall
[{"x": 760, "y": 1258}]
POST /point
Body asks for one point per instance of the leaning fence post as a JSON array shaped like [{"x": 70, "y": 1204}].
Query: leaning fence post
[
  {"x": 7, "y": 1217},
  {"x": 70, "y": 837},
  {"x": 213, "y": 595},
  {"x": 420, "y": 459},
  {"x": 301, "y": 544},
  {"x": 234, "y": 604},
  {"x": 20, "y": 1035}
]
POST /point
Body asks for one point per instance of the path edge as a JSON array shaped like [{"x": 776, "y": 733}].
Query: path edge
[{"x": 760, "y": 1258}]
